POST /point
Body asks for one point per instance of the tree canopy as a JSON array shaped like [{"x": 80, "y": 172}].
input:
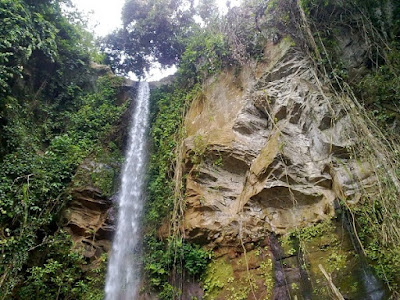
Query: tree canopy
[{"x": 153, "y": 31}]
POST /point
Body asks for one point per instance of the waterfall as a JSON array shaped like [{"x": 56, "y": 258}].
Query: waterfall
[{"x": 124, "y": 268}]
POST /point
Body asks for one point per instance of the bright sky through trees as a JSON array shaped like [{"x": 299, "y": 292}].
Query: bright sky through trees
[{"x": 105, "y": 15}]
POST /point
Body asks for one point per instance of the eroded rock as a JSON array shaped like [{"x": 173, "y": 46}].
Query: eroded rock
[
  {"x": 275, "y": 152},
  {"x": 89, "y": 216}
]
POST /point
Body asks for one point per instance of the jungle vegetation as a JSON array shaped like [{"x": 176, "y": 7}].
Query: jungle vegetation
[{"x": 52, "y": 116}]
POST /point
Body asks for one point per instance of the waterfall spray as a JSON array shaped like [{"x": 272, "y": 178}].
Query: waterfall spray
[{"x": 124, "y": 268}]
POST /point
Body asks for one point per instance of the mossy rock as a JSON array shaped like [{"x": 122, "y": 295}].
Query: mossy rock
[
  {"x": 241, "y": 277},
  {"x": 327, "y": 244}
]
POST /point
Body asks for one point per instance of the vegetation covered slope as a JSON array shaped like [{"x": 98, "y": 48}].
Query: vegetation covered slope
[
  {"x": 238, "y": 39},
  {"x": 53, "y": 114}
]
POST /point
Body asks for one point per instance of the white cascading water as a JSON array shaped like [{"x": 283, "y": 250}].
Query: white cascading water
[{"x": 124, "y": 267}]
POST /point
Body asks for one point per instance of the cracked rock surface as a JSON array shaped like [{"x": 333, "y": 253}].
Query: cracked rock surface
[{"x": 276, "y": 152}]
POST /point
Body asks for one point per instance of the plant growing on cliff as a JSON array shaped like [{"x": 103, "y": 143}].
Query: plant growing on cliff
[
  {"x": 166, "y": 261},
  {"x": 200, "y": 146},
  {"x": 375, "y": 217},
  {"x": 206, "y": 53},
  {"x": 61, "y": 274},
  {"x": 23, "y": 31},
  {"x": 167, "y": 117},
  {"x": 162, "y": 259},
  {"x": 33, "y": 190}
]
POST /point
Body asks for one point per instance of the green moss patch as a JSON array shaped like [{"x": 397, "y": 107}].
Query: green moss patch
[{"x": 239, "y": 278}]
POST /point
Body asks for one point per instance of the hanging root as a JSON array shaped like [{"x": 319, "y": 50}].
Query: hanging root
[{"x": 372, "y": 145}]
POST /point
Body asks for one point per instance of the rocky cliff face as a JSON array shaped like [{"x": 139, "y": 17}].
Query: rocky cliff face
[
  {"x": 275, "y": 152},
  {"x": 88, "y": 218},
  {"x": 268, "y": 152}
]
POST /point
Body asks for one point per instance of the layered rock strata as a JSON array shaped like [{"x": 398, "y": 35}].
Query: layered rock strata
[
  {"x": 269, "y": 152},
  {"x": 89, "y": 216},
  {"x": 276, "y": 152}
]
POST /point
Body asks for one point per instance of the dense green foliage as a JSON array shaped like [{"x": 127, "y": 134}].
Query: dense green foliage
[
  {"x": 33, "y": 183},
  {"x": 61, "y": 274},
  {"x": 172, "y": 257},
  {"x": 23, "y": 31},
  {"x": 206, "y": 54},
  {"x": 383, "y": 258},
  {"x": 153, "y": 30},
  {"x": 50, "y": 120},
  {"x": 380, "y": 92},
  {"x": 168, "y": 108}
]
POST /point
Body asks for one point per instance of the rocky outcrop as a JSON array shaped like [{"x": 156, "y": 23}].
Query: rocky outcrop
[
  {"x": 89, "y": 216},
  {"x": 276, "y": 154},
  {"x": 269, "y": 152}
]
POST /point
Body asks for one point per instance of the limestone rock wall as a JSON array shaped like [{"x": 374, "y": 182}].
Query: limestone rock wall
[
  {"x": 275, "y": 152},
  {"x": 268, "y": 152}
]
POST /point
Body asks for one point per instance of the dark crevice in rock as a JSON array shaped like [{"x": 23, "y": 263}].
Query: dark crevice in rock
[{"x": 284, "y": 197}]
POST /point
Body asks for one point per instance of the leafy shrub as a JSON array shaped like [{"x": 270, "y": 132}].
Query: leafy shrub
[
  {"x": 162, "y": 257},
  {"x": 23, "y": 31},
  {"x": 205, "y": 55},
  {"x": 380, "y": 91},
  {"x": 168, "y": 106},
  {"x": 61, "y": 273}
]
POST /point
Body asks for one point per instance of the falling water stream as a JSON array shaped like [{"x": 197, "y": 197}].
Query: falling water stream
[{"x": 124, "y": 268}]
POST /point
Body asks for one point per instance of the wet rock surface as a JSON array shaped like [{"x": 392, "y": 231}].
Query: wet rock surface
[{"x": 274, "y": 154}]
